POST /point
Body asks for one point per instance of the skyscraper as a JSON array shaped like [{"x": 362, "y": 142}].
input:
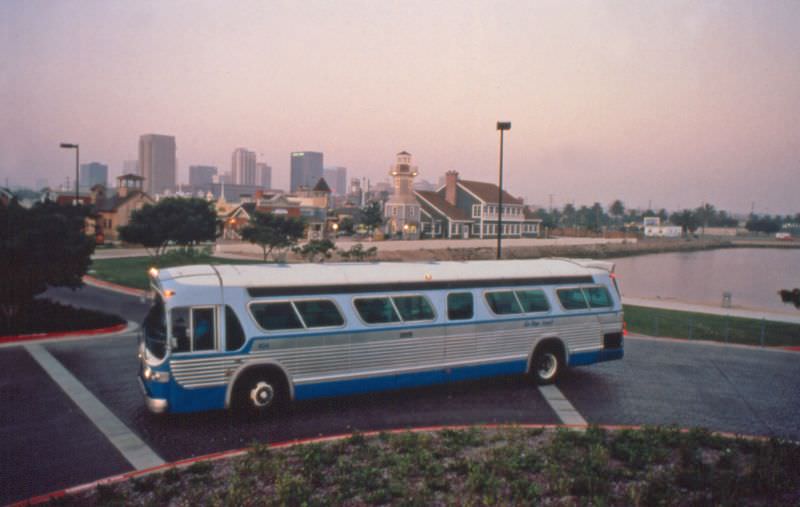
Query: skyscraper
[
  {"x": 263, "y": 175},
  {"x": 306, "y": 169},
  {"x": 93, "y": 173},
  {"x": 201, "y": 174},
  {"x": 337, "y": 179},
  {"x": 243, "y": 166},
  {"x": 157, "y": 162}
]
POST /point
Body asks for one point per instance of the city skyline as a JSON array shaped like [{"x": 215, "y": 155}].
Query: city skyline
[{"x": 674, "y": 103}]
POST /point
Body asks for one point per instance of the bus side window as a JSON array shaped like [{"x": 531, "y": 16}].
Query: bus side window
[
  {"x": 572, "y": 299},
  {"x": 276, "y": 316},
  {"x": 533, "y": 301},
  {"x": 459, "y": 306},
  {"x": 376, "y": 310},
  {"x": 180, "y": 330},
  {"x": 503, "y": 303},
  {"x": 203, "y": 329},
  {"x": 234, "y": 335},
  {"x": 319, "y": 313},
  {"x": 413, "y": 308},
  {"x": 598, "y": 297}
]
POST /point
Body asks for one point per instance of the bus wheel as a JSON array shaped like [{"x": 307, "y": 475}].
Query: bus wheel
[
  {"x": 547, "y": 364},
  {"x": 260, "y": 393}
]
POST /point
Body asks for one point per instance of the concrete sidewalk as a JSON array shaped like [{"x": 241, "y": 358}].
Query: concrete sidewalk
[{"x": 669, "y": 304}]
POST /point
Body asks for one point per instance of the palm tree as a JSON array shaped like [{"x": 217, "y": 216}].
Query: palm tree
[{"x": 617, "y": 209}]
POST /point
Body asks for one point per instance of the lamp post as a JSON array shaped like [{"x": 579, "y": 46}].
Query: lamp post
[
  {"x": 502, "y": 126},
  {"x": 77, "y": 162}
]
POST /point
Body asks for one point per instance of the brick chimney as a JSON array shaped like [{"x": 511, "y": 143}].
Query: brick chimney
[{"x": 450, "y": 180}]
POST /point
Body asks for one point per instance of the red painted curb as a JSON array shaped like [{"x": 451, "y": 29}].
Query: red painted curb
[
  {"x": 61, "y": 334},
  {"x": 304, "y": 441}
]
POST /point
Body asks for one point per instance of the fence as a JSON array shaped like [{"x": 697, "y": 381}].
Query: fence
[{"x": 701, "y": 326}]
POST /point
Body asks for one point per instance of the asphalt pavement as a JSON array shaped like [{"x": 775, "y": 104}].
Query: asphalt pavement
[{"x": 47, "y": 442}]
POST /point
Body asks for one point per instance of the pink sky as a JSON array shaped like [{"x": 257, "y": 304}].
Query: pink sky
[{"x": 671, "y": 102}]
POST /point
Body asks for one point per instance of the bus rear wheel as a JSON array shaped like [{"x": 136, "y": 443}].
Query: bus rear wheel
[
  {"x": 260, "y": 393},
  {"x": 547, "y": 364}
]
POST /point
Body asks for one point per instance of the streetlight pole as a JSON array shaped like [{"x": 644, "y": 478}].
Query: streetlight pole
[
  {"x": 502, "y": 126},
  {"x": 77, "y": 163}
]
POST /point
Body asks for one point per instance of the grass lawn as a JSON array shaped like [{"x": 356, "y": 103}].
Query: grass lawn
[
  {"x": 507, "y": 466},
  {"x": 703, "y": 326},
  {"x": 132, "y": 271}
]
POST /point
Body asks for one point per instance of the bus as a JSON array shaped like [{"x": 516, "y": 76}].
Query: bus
[{"x": 254, "y": 337}]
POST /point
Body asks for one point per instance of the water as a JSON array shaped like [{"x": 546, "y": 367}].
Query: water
[{"x": 753, "y": 276}]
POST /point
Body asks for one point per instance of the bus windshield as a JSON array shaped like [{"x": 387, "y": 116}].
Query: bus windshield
[{"x": 155, "y": 329}]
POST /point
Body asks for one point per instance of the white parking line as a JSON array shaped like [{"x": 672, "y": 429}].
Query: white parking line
[
  {"x": 132, "y": 447},
  {"x": 561, "y": 406}
]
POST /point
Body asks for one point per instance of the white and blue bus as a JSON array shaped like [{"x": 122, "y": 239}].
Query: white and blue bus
[{"x": 256, "y": 336}]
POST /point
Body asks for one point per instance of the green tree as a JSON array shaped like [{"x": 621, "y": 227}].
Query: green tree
[
  {"x": 705, "y": 214},
  {"x": 184, "y": 222},
  {"x": 40, "y": 247},
  {"x": 686, "y": 219},
  {"x": 358, "y": 253},
  {"x": 346, "y": 225},
  {"x": 764, "y": 223},
  {"x": 371, "y": 216},
  {"x": 617, "y": 210},
  {"x": 316, "y": 249},
  {"x": 569, "y": 215},
  {"x": 273, "y": 232}
]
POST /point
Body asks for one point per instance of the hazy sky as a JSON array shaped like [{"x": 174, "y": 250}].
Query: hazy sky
[{"x": 671, "y": 102}]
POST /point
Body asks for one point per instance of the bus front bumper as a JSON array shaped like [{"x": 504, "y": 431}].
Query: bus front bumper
[{"x": 154, "y": 405}]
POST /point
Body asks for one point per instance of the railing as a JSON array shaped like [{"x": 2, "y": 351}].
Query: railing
[{"x": 719, "y": 328}]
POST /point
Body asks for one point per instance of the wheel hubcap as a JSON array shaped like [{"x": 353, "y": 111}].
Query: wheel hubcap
[
  {"x": 547, "y": 366},
  {"x": 262, "y": 394}
]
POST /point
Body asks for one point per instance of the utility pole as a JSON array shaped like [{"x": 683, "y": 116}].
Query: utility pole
[{"x": 502, "y": 126}]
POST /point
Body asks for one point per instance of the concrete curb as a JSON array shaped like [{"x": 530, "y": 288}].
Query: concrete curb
[
  {"x": 185, "y": 463},
  {"x": 122, "y": 289},
  {"x": 27, "y": 338}
]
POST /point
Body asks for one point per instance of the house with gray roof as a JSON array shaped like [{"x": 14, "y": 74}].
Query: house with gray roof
[{"x": 469, "y": 209}]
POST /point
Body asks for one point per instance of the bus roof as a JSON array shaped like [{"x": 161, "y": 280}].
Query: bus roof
[{"x": 380, "y": 274}]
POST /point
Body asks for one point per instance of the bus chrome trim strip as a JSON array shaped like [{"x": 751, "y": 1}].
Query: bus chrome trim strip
[{"x": 395, "y": 371}]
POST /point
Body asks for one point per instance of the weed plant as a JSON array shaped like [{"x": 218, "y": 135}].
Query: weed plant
[{"x": 514, "y": 466}]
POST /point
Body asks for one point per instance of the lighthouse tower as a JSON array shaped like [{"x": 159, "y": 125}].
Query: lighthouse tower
[{"x": 402, "y": 209}]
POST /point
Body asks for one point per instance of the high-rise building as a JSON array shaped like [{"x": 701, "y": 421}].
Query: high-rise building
[
  {"x": 263, "y": 175},
  {"x": 337, "y": 179},
  {"x": 157, "y": 162},
  {"x": 243, "y": 166},
  {"x": 201, "y": 174},
  {"x": 306, "y": 169},
  {"x": 93, "y": 173},
  {"x": 131, "y": 167}
]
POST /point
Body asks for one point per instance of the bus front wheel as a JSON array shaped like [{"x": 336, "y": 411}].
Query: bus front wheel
[
  {"x": 547, "y": 364},
  {"x": 260, "y": 393}
]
